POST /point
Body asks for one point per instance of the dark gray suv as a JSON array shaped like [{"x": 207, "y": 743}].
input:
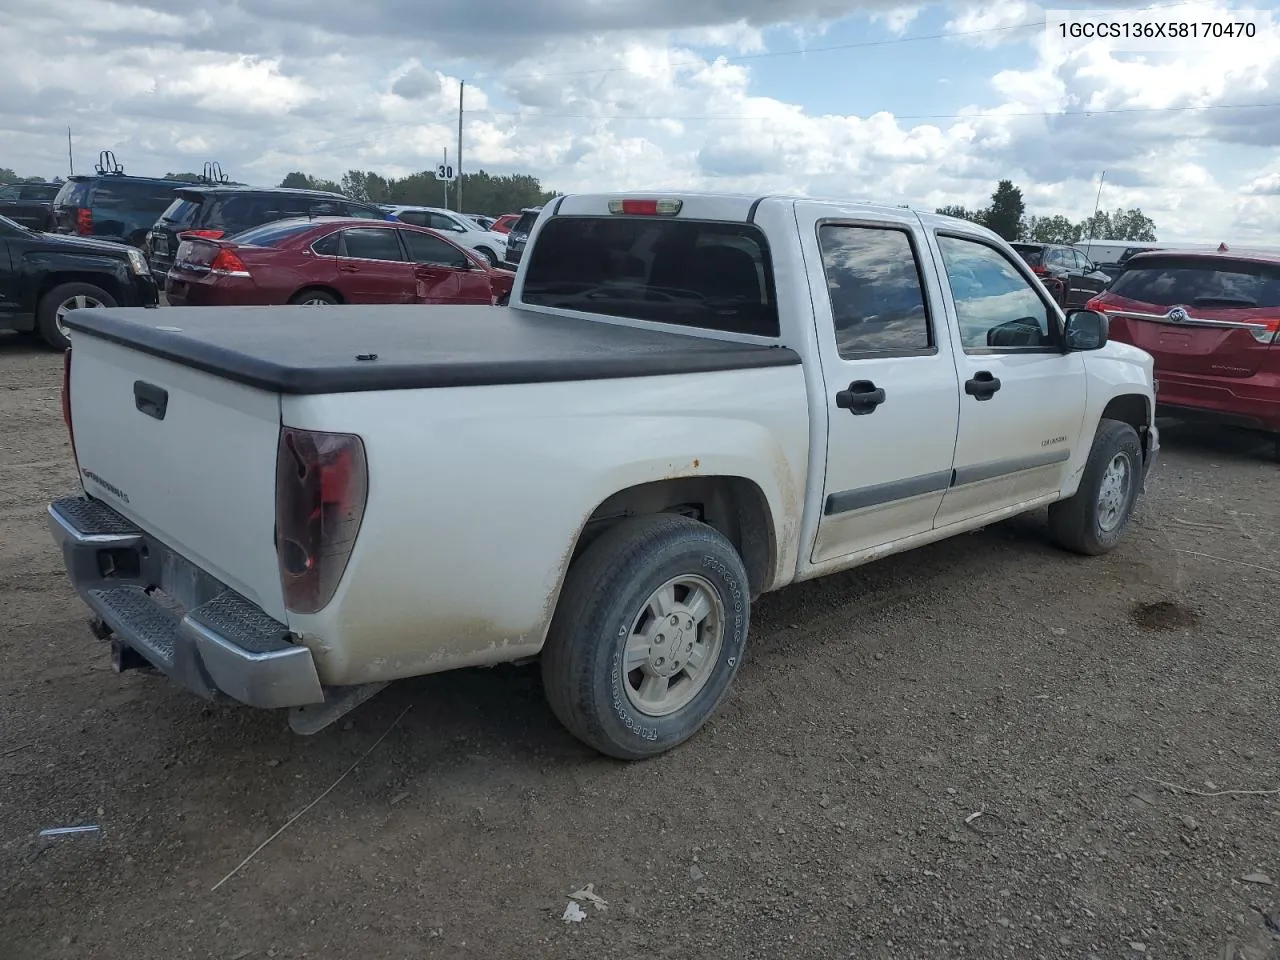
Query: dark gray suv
[{"x": 519, "y": 234}]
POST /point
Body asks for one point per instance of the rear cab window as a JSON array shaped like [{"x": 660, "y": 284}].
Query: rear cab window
[
  {"x": 709, "y": 275},
  {"x": 526, "y": 222},
  {"x": 1218, "y": 282}
]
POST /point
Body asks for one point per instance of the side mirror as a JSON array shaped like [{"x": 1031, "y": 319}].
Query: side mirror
[{"x": 1086, "y": 330}]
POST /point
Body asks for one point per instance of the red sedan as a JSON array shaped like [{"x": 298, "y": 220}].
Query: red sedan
[
  {"x": 1212, "y": 323},
  {"x": 329, "y": 260}
]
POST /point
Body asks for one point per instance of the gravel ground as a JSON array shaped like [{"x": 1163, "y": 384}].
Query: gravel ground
[{"x": 953, "y": 753}]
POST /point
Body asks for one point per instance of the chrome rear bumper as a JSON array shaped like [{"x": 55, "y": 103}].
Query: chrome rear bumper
[{"x": 185, "y": 623}]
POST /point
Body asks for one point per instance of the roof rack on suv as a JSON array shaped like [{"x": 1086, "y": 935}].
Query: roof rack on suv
[
  {"x": 213, "y": 173},
  {"x": 107, "y": 164}
]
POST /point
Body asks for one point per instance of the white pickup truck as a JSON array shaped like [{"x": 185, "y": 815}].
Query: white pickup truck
[{"x": 691, "y": 400}]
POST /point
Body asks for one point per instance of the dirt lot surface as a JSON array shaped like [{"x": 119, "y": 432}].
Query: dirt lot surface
[{"x": 827, "y": 811}]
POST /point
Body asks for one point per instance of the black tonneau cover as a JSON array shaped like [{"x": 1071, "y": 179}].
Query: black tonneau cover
[{"x": 352, "y": 349}]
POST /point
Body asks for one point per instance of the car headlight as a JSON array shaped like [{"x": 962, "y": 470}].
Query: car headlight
[{"x": 138, "y": 263}]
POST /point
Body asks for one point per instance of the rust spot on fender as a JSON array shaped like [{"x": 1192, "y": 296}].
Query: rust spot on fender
[{"x": 696, "y": 463}]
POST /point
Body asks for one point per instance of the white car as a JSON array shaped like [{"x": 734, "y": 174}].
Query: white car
[
  {"x": 460, "y": 228},
  {"x": 690, "y": 401}
]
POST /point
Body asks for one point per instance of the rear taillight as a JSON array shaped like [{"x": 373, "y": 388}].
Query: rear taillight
[
  {"x": 1040, "y": 271},
  {"x": 207, "y": 234},
  {"x": 228, "y": 263},
  {"x": 84, "y": 221},
  {"x": 1266, "y": 331},
  {"x": 322, "y": 482},
  {"x": 1097, "y": 305},
  {"x": 66, "y": 405}
]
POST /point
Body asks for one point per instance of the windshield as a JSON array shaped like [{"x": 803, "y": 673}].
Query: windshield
[{"x": 1200, "y": 281}]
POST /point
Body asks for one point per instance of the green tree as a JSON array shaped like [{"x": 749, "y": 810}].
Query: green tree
[
  {"x": 1054, "y": 229},
  {"x": 963, "y": 213},
  {"x": 1132, "y": 224},
  {"x": 1007, "y": 211}
]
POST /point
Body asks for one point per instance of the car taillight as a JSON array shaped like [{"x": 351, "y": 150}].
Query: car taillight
[
  {"x": 1266, "y": 331},
  {"x": 1097, "y": 305},
  {"x": 84, "y": 221},
  {"x": 227, "y": 262},
  {"x": 322, "y": 483},
  {"x": 1040, "y": 271},
  {"x": 66, "y": 404},
  {"x": 646, "y": 208},
  {"x": 207, "y": 234}
]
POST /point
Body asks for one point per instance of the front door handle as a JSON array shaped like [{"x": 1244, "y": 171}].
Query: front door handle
[
  {"x": 348, "y": 268},
  {"x": 983, "y": 386},
  {"x": 861, "y": 398}
]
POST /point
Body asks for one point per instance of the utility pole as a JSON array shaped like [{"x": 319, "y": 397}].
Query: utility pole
[
  {"x": 457, "y": 193},
  {"x": 71, "y": 163},
  {"x": 1093, "y": 221}
]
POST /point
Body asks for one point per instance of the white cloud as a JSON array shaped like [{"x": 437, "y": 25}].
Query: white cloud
[{"x": 609, "y": 108}]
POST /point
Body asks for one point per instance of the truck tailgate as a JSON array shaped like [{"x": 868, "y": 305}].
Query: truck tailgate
[{"x": 187, "y": 456}]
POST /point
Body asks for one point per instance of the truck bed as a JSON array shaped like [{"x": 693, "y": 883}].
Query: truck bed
[{"x": 318, "y": 350}]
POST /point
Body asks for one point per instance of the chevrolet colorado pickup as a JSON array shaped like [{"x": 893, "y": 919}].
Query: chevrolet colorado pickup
[{"x": 691, "y": 400}]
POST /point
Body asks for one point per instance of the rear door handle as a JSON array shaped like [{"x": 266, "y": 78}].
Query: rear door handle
[
  {"x": 982, "y": 386},
  {"x": 150, "y": 399},
  {"x": 861, "y": 398}
]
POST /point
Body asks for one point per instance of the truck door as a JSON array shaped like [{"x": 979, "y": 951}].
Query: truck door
[
  {"x": 890, "y": 379},
  {"x": 1022, "y": 399}
]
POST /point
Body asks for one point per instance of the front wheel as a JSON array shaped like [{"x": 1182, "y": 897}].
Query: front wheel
[
  {"x": 647, "y": 636},
  {"x": 51, "y": 313},
  {"x": 1093, "y": 521}
]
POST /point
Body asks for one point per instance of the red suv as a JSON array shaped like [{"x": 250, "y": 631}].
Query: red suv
[{"x": 1212, "y": 323}]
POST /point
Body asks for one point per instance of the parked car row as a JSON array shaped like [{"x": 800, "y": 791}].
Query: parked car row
[
  {"x": 330, "y": 260},
  {"x": 30, "y": 204}
]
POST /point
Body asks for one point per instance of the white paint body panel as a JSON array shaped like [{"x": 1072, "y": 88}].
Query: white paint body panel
[
  {"x": 202, "y": 480},
  {"x": 477, "y": 495}
]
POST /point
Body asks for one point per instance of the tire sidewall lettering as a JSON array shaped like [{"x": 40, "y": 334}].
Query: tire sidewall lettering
[{"x": 733, "y": 594}]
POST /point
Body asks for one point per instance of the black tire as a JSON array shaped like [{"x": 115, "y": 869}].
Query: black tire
[
  {"x": 606, "y": 590},
  {"x": 1076, "y": 524},
  {"x": 314, "y": 296},
  {"x": 489, "y": 255},
  {"x": 47, "y": 309}
]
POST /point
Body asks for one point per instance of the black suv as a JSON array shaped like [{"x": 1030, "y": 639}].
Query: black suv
[
  {"x": 519, "y": 234},
  {"x": 110, "y": 205},
  {"x": 1081, "y": 280},
  {"x": 219, "y": 210},
  {"x": 44, "y": 275},
  {"x": 30, "y": 204}
]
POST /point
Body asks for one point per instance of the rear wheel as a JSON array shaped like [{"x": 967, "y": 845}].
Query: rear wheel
[
  {"x": 647, "y": 635},
  {"x": 489, "y": 255},
  {"x": 1093, "y": 521},
  {"x": 51, "y": 313},
  {"x": 313, "y": 298}
]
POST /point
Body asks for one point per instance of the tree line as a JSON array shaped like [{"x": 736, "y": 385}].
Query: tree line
[
  {"x": 1007, "y": 216},
  {"x": 482, "y": 192}
]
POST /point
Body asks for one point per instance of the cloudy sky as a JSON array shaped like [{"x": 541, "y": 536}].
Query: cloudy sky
[{"x": 925, "y": 104}]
